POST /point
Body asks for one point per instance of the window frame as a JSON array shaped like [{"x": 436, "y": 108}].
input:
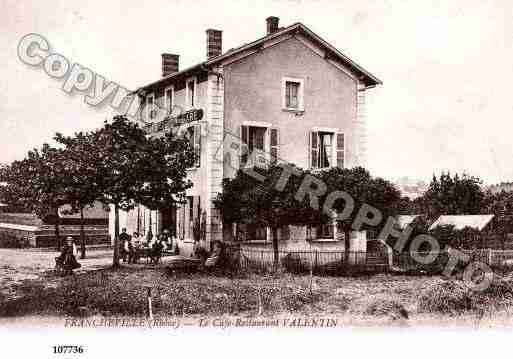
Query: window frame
[
  {"x": 334, "y": 133},
  {"x": 169, "y": 107},
  {"x": 300, "y": 96},
  {"x": 190, "y": 104},
  {"x": 196, "y": 146},
  {"x": 148, "y": 109},
  {"x": 245, "y": 146}
]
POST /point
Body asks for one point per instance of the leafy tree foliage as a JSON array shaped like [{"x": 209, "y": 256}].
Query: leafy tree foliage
[
  {"x": 255, "y": 197},
  {"x": 36, "y": 184},
  {"x": 267, "y": 201},
  {"x": 81, "y": 183},
  {"x": 453, "y": 195},
  {"x": 118, "y": 165},
  {"x": 134, "y": 168}
]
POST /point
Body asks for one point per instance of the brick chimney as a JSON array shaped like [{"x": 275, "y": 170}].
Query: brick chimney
[
  {"x": 214, "y": 43},
  {"x": 169, "y": 64},
  {"x": 273, "y": 23}
]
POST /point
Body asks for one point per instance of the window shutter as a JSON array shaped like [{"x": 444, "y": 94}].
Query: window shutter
[
  {"x": 183, "y": 208},
  {"x": 314, "y": 149},
  {"x": 340, "y": 150},
  {"x": 197, "y": 144},
  {"x": 275, "y": 141},
  {"x": 195, "y": 208},
  {"x": 244, "y": 145}
]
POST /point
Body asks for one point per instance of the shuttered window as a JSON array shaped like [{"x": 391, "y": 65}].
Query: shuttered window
[
  {"x": 244, "y": 146},
  {"x": 168, "y": 94},
  {"x": 314, "y": 149},
  {"x": 194, "y": 137},
  {"x": 292, "y": 94},
  {"x": 150, "y": 108},
  {"x": 323, "y": 147},
  {"x": 274, "y": 142},
  {"x": 340, "y": 150},
  {"x": 197, "y": 144},
  {"x": 253, "y": 146}
]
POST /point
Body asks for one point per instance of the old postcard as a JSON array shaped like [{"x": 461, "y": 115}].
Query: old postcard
[{"x": 225, "y": 170}]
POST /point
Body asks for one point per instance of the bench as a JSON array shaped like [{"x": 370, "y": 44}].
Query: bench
[{"x": 184, "y": 265}]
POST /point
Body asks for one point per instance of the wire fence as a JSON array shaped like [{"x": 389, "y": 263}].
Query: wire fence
[
  {"x": 340, "y": 262},
  {"x": 319, "y": 262}
]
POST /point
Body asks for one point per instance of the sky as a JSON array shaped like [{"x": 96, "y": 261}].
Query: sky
[{"x": 446, "y": 66}]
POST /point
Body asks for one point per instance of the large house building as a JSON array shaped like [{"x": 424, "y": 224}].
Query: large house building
[{"x": 289, "y": 95}]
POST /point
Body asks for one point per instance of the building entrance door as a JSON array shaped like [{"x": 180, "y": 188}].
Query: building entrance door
[{"x": 169, "y": 220}]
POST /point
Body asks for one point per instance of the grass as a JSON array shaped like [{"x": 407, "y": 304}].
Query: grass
[
  {"x": 124, "y": 292},
  {"x": 369, "y": 300}
]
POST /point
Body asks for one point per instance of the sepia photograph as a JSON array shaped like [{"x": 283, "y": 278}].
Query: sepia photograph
[{"x": 234, "y": 168}]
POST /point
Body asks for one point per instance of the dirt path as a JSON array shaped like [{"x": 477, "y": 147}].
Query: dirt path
[{"x": 18, "y": 265}]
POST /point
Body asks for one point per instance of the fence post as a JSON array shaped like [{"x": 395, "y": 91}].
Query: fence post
[
  {"x": 390, "y": 256},
  {"x": 489, "y": 256}
]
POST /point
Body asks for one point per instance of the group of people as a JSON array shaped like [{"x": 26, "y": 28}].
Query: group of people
[{"x": 131, "y": 246}]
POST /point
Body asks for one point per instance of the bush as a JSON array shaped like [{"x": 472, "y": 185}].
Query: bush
[
  {"x": 386, "y": 307},
  {"x": 455, "y": 297},
  {"x": 448, "y": 297},
  {"x": 498, "y": 294}
]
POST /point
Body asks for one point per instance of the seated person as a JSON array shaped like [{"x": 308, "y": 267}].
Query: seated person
[
  {"x": 134, "y": 247},
  {"x": 215, "y": 257},
  {"x": 157, "y": 248},
  {"x": 67, "y": 260},
  {"x": 124, "y": 239},
  {"x": 174, "y": 245}
]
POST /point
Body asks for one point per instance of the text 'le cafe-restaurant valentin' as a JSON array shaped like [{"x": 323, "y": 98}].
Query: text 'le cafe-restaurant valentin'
[{"x": 289, "y": 94}]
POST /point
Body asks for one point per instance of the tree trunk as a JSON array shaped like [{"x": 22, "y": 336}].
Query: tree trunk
[
  {"x": 115, "y": 259},
  {"x": 347, "y": 246},
  {"x": 276, "y": 254},
  {"x": 82, "y": 234},
  {"x": 57, "y": 230}
]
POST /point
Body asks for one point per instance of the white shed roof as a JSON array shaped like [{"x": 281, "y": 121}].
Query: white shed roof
[
  {"x": 478, "y": 221},
  {"x": 404, "y": 220}
]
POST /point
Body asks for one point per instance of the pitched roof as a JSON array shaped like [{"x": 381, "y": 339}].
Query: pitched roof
[
  {"x": 461, "y": 221},
  {"x": 97, "y": 212},
  {"x": 369, "y": 79}
]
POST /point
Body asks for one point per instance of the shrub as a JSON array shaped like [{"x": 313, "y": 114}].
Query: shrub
[
  {"x": 498, "y": 294},
  {"x": 386, "y": 307},
  {"x": 449, "y": 297}
]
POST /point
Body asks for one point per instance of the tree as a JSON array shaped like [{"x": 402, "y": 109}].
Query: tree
[
  {"x": 453, "y": 195},
  {"x": 252, "y": 197},
  {"x": 81, "y": 183},
  {"x": 37, "y": 184},
  {"x": 247, "y": 199},
  {"x": 364, "y": 190},
  {"x": 500, "y": 204},
  {"x": 134, "y": 168}
]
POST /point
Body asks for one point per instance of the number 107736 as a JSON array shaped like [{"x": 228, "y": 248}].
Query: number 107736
[{"x": 68, "y": 349}]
